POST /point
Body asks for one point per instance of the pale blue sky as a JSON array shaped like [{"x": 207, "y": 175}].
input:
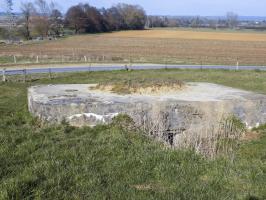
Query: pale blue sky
[{"x": 181, "y": 7}]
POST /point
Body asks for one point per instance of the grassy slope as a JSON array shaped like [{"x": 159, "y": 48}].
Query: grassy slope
[{"x": 60, "y": 162}]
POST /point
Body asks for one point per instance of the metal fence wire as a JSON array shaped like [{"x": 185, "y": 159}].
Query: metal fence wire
[{"x": 30, "y": 74}]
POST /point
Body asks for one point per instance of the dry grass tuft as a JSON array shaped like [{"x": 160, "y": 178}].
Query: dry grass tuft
[
  {"x": 251, "y": 136},
  {"x": 150, "y": 187},
  {"x": 154, "y": 87}
]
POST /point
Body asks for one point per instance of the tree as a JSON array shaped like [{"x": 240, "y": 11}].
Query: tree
[
  {"x": 157, "y": 21},
  {"x": 56, "y": 22},
  {"x": 86, "y": 18},
  {"x": 113, "y": 18},
  {"x": 9, "y": 5},
  {"x": 41, "y": 20},
  {"x": 76, "y": 18},
  {"x": 232, "y": 19},
  {"x": 94, "y": 20},
  {"x": 134, "y": 17},
  {"x": 11, "y": 17},
  {"x": 27, "y": 10},
  {"x": 195, "y": 22},
  {"x": 43, "y": 9},
  {"x": 4, "y": 33},
  {"x": 213, "y": 23}
]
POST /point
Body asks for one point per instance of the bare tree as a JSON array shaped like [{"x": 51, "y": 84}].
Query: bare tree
[
  {"x": 195, "y": 22},
  {"x": 95, "y": 22},
  {"x": 213, "y": 23},
  {"x": 134, "y": 16},
  {"x": 86, "y": 18},
  {"x": 56, "y": 22},
  {"x": 27, "y": 10},
  {"x": 76, "y": 18},
  {"x": 43, "y": 8},
  {"x": 43, "y": 13},
  {"x": 113, "y": 18},
  {"x": 11, "y": 17},
  {"x": 232, "y": 19}
]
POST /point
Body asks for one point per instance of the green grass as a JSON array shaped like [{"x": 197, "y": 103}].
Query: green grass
[
  {"x": 6, "y": 59},
  {"x": 39, "y": 161}
]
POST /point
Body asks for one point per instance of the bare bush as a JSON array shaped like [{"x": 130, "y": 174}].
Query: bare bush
[
  {"x": 209, "y": 137},
  {"x": 217, "y": 139}
]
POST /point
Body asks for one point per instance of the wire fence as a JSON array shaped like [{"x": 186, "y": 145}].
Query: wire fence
[
  {"x": 31, "y": 74},
  {"x": 26, "y": 75},
  {"x": 80, "y": 58},
  {"x": 48, "y": 59}
]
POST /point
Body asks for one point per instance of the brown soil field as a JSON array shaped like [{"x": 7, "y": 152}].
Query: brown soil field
[
  {"x": 151, "y": 46},
  {"x": 189, "y": 34}
]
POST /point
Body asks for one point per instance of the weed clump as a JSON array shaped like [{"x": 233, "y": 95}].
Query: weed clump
[
  {"x": 141, "y": 86},
  {"x": 124, "y": 122}
]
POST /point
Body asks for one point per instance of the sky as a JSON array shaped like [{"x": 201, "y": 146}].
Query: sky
[{"x": 178, "y": 7}]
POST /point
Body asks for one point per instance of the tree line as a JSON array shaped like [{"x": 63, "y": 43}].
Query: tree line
[
  {"x": 229, "y": 21},
  {"x": 89, "y": 19},
  {"x": 41, "y": 18}
]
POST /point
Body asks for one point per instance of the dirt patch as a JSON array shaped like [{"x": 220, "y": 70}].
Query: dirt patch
[
  {"x": 191, "y": 34},
  {"x": 142, "y": 88},
  {"x": 250, "y": 136}
]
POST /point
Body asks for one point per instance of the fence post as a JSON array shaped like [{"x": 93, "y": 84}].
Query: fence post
[
  {"x": 237, "y": 65},
  {"x": 37, "y": 59},
  {"x": 90, "y": 67},
  {"x": 25, "y": 74},
  {"x": 126, "y": 68},
  {"x": 4, "y": 75},
  {"x": 15, "y": 59},
  {"x": 50, "y": 73},
  {"x": 85, "y": 58}
]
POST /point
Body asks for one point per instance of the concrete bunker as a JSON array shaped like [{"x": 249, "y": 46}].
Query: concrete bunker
[{"x": 196, "y": 109}]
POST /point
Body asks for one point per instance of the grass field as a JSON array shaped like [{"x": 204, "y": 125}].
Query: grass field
[
  {"x": 175, "y": 46},
  {"x": 40, "y": 161}
]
